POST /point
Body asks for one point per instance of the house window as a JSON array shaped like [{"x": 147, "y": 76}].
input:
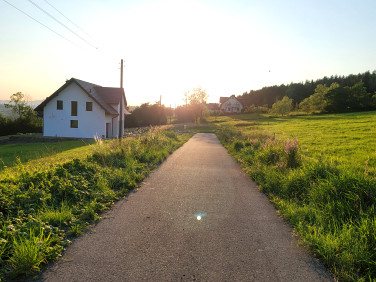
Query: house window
[
  {"x": 59, "y": 105},
  {"x": 74, "y": 123},
  {"x": 74, "y": 108},
  {"x": 89, "y": 106}
]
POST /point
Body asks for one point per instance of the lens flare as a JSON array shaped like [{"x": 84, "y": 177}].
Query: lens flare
[{"x": 200, "y": 216}]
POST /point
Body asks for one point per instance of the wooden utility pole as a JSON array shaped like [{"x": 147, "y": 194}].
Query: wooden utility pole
[
  {"x": 121, "y": 101},
  {"x": 170, "y": 113}
]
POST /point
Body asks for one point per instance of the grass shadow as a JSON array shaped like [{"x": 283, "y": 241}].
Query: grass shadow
[{"x": 13, "y": 154}]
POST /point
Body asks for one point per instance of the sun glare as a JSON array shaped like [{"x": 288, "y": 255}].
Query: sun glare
[{"x": 174, "y": 46}]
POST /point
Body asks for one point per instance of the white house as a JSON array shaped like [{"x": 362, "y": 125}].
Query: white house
[
  {"x": 84, "y": 110},
  {"x": 230, "y": 105}
]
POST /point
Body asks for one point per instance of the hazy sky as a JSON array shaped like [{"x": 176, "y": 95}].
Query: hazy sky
[{"x": 171, "y": 46}]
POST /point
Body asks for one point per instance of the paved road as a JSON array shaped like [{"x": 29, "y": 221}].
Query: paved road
[{"x": 198, "y": 217}]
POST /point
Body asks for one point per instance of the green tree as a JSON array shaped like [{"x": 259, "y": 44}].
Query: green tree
[
  {"x": 337, "y": 100},
  {"x": 317, "y": 102},
  {"x": 19, "y": 105},
  {"x": 360, "y": 99},
  {"x": 197, "y": 100},
  {"x": 349, "y": 99},
  {"x": 184, "y": 114},
  {"x": 27, "y": 120},
  {"x": 282, "y": 107},
  {"x": 298, "y": 91},
  {"x": 146, "y": 115}
]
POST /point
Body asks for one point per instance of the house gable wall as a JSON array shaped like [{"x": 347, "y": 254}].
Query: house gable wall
[
  {"x": 58, "y": 122},
  {"x": 232, "y": 105}
]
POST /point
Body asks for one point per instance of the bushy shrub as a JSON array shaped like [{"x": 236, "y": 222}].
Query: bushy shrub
[
  {"x": 270, "y": 155},
  {"x": 20, "y": 125},
  {"x": 292, "y": 152},
  {"x": 238, "y": 145},
  {"x": 146, "y": 115}
]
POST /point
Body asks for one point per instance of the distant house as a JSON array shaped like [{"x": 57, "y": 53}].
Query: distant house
[
  {"x": 230, "y": 105},
  {"x": 213, "y": 107},
  {"x": 84, "y": 110}
]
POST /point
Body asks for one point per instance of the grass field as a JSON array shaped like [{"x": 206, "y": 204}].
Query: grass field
[
  {"x": 320, "y": 172},
  {"x": 12, "y": 154},
  {"x": 345, "y": 138}
]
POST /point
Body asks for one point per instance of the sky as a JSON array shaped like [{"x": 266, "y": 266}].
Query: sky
[{"x": 172, "y": 46}]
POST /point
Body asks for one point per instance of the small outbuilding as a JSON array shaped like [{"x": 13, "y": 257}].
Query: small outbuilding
[
  {"x": 213, "y": 107},
  {"x": 84, "y": 110}
]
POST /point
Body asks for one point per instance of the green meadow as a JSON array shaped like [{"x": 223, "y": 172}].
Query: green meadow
[
  {"x": 343, "y": 138},
  {"x": 320, "y": 173},
  {"x": 13, "y": 154}
]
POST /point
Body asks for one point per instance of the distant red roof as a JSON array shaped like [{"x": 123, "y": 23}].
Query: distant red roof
[
  {"x": 212, "y": 106},
  {"x": 223, "y": 99}
]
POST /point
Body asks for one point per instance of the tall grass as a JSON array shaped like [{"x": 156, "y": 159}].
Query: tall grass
[
  {"x": 329, "y": 200},
  {"x": 56, "y": 217},
  {"x": 41, "y": 208},
  {"x": 29, "y": 252}
]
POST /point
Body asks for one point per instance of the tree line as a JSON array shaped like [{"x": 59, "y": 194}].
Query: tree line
[
  {"x": 156, "y": 114},
  {"x": 145, "y": 115},
  {"x": 26, "y": 120},
  {"x": 333, "y": 94}
]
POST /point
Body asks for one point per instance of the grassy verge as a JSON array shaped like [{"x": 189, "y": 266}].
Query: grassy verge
[
  {"x": 42, "y": 209},
  {"x": 13, "y": 154},
  {"x": 328, "y": 196}
]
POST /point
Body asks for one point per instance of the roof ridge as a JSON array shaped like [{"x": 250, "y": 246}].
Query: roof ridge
[
  {"x": 87, "y": 87},
  {"x": 83, "y": 81}
]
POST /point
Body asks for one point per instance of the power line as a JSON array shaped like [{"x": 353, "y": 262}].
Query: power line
[
  {"x": 51, "y": 16},
  {"x": 69, "y": 20},
  {"x": 40, "y": 23}
]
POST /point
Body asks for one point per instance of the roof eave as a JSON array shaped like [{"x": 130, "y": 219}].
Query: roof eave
[
  {"x": 91, "y": 96},
  {"x": 41, "y": 106}
]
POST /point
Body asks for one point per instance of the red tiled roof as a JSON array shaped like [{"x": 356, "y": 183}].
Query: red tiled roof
[
  {"x": 223, "y": 99},
  {"x": 102, "y": 95}
]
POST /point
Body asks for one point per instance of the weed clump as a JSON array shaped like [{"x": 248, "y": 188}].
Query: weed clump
[{"x": 238, "y": 145}]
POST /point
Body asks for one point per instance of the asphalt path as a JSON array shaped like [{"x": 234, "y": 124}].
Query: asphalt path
[{"x": 198, "y": 217}]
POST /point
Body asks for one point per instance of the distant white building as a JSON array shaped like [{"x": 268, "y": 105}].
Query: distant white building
[
  {"x": 230, "y": 105},
  {"x": 84, "y": 110}
]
